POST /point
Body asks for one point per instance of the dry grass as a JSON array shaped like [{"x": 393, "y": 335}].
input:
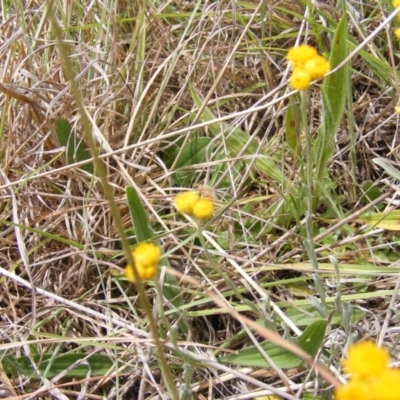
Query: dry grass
[{"x": 138, "y": 67}]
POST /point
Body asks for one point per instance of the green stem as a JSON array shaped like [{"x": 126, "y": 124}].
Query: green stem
[{"x": 309, "y": 242}]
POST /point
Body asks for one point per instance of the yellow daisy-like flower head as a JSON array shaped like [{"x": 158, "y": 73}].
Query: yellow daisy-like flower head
[
  {"x": 317, "y": 67},
  {"x": 190, "y": 203},
  {"x": 300, "y": 79},
  {"x": 203, "y": 209},
  {"x": 365, "y": 360},
  {"x": 397, "y": 33},
  {"x": 353, "y": 390},
  {"x": 299, "y": 55},
  {"x": 397, "y": 109},
  {"x": 146, "y": 257},
  {"x": 386, "y": 385},
  {"x": 185, "y": 202},
  {"x": 396, "y": 3}
]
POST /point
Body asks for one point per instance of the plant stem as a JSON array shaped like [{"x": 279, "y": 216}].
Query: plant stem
[{"x": 108, "y": 192}]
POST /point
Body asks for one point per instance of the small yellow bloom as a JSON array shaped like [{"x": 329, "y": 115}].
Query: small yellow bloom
[
  {"x": 386, "y": 385},
  {"x": 299, "y": 55},
  {"x": 353, "y": 390},
  {"x": 203, "y": 209},
  {"x": 397, "y": 109},
  {"x": 190, "y": 203},
  {"x": 365, "y": 359},
  {"x": 396, "y": 3},
  {"x": 185, "y": 202},
  {"x": 146, "y": 257},
  {"x": 397, "y": 33},
  {"x": 300, "y": 79},
  {"x": 317, "y": 67}
]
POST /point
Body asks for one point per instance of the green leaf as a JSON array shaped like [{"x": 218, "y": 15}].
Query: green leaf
[
  {"x": 194, "y": 152},
  {"x": 389, "y": 220},
  {"x": 140, "y": 221},
  {"x": 310, "y": 341},
  {"x": 75, "y": 151},
  {"x": 334, "y": 93},
  {"x": 99, "y": 365}
]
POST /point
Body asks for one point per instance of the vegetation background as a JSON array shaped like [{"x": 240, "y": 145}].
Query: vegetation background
[{"x": 111, "y": 108}]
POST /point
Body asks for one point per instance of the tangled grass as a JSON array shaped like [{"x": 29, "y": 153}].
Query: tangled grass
[{"x": 109, "y": 109}]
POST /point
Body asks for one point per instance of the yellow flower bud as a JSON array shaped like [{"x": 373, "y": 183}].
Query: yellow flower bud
[
  {"x": 386, "y": 385},
  {"x": 299, "y": 55},
  {"x": 317, "y": 67},
  {"x": 300, "y": 79},
  {"x": 365, "y": 359},
  {"x": 146, "y": 257},
  {"x": 185, "y": 202},
  {"x": 355, "y": 389},
  {"x": 203, "y": 209}
]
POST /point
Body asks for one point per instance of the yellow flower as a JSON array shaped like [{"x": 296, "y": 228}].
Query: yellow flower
[
  {"x": 317, "y": 67},
  {"x": 307, "y": 65},
  {"x": 300, "y": 79},
  {"x": 353, "y": 390},
  {"x": 299, "y": 55},
  {"x": 192, "y": 204},
  {"x": 185, "y": 202},
  {"x": 397, "y": 109},
  {"x": 396, "y": 3},
  {"x": 397, "y": 33},
  {"x": 386, "y": 385},
  {"x": 365, "y": 360},
  {"x": 203, "y": 209},
  {"x": 146, "y": 257}
]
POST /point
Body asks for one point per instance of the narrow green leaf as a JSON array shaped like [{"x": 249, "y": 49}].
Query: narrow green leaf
[
  {"x": 310, "y": 341},
  {"x": 99, "y": 365},
  {"x": 75, "y": 151},
  {"x": 140, "y": 221},
  {"x": 334, "y": 92}
]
